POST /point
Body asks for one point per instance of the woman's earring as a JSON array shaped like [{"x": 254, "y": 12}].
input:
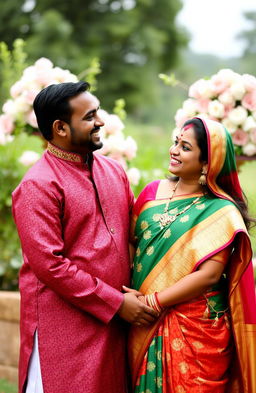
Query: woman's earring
[{"x": 202, "y": 178}]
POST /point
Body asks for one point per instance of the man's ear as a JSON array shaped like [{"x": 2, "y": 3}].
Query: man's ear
[{"x": 60, "y": 128}]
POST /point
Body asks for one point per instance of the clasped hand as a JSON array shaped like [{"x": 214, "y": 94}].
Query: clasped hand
[{"x": 134, "y": 309}]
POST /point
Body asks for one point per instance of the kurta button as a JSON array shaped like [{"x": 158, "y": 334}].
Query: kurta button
[{"x": 112, "y": 230}]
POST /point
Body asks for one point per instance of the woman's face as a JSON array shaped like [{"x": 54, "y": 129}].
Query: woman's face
[{"x": 184, "y": 154}]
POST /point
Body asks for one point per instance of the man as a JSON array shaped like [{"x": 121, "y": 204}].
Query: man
[{"x": 72, "y": 213}]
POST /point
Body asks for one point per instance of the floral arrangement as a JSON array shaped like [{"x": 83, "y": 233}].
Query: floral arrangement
[
  {"x": 18, "y": 116},
  {"x": 229, "y": 98}
]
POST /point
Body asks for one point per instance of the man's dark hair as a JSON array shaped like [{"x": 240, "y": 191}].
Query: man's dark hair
[{"x": 52, "y": 103}]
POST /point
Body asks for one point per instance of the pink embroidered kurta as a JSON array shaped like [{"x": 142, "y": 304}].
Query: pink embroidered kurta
[{"x": 73, "y": 224}]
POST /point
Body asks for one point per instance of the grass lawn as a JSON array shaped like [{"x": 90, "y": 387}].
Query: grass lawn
[{"x": 6, "y": 387}]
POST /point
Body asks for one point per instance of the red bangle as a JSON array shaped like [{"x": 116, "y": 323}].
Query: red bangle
[{"x": 157, "y": 300}]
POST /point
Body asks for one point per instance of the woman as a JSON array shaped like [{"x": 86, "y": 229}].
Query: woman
[{"x": 192, "y": 265}]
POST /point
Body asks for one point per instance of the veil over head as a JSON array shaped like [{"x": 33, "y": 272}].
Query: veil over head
[{"x": 222, "y": 171}]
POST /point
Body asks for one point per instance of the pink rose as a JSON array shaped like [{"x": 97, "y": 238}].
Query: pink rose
[
  {"x": 6, "y": 124},
  {"x": 249, "y": 100},
  {"x": 240, "y": 138},
  {"x": 219, "y": 84}
]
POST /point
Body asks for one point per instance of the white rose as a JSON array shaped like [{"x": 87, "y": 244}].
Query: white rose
[
  {"x": 205, "y": 88},
  {"x": 130, "y": 148},
  {"x": 249, "y": 149},
  {"x": 238, "y": 115},
  {"x": 237, "y": 89},
  {"x": 249, "y": 124},
  {"x": 113, "y": 124},
  {"x": 29, "y": 157},
  {"x": 133, "y": 176},
  {"x": 231, "y": 127},
  {"x": 216, "y": 109},
  {"x": 43, "y": 63},
  {"x": 190, "y": 107},
  {"x": 228, "y": 75},
  {"x": 226, "y": 98}
]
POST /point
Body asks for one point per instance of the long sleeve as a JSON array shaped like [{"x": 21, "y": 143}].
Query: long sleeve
[{"x": 38, "y": 214}]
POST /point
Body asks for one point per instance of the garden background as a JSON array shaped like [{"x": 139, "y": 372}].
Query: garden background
[{"x": 136, "y": 55}]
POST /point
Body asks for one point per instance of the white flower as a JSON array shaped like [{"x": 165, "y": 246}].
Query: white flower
[
  {"x": 189, "y": 107},
  {"x": 249, "y": 124},
  {"x": 201, "y": 89},
  {"x": 231, "y": 127},
  {"x": 29, "y": 157},
  {"x": 216, "y": 109},
  {"x": 133, "y": 176},
  {"x": 238, "y": 115},
  {"x": 249, "y": 149},
  {"x": 130, "y": 148},
  {"x": 237, "y": 89},
  {"x": 226, "y": 98},
  {"x": 43, "y": 64},
  {"x": 113, "y": 124},
  {"x": 228, "y": 75},
  {"x": 5, "y": 138}
]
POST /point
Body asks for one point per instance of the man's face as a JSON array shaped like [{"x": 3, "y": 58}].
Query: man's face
[{"x": 85, "y": 124}]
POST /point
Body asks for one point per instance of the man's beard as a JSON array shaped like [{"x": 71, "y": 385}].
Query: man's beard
[{"x": 89, "y": 144}]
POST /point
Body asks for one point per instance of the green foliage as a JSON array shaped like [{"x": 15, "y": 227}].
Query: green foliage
[
  {"x": 11, "y": 173},
  {"x": 134, "y": 40},
  {"x": 119, "y": 108},
  {"x": 12, "y": 64},
  {"x": 7, "y": 387}
]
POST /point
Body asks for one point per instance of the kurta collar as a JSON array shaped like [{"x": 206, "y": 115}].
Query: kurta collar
[{"x": 65, "y": 155}]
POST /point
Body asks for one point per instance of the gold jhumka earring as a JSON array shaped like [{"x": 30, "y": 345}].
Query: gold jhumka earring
[{"x": 202, "y": 178}]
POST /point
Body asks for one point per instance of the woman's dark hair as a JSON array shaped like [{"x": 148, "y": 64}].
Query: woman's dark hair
[
  {"x": 201, "y": 138},
  {"x": 52, "y": 103}
]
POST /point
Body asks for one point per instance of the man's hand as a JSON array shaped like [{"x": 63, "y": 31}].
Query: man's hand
[{"x": 136, "y": 312}]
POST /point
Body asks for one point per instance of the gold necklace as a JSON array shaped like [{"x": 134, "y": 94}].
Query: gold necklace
[{"x": 165, "y": 218}]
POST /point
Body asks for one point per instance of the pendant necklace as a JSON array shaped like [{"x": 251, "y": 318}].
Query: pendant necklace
[{"x": 165, "y": 218}]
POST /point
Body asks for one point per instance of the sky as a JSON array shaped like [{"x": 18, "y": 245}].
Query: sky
[{"x": 214, "y": 24}]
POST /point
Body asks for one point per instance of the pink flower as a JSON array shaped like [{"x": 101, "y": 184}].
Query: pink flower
[
  {"x": 249, "y": 82},
  {"x": 253, "y": 135},
  {"x": 240, "y": 138},
  {"x": 249, "y": 101},
  {"x": 180, "y": 118},
  {"x": 31, "y": 119},
  {"x": 6, "y": 124},
  {"x": 219, "y": 84},
  {"x": 202, "y": 105}
]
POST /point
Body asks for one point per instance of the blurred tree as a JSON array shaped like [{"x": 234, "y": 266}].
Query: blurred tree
[
  {"x": 133, "y": 39},
  {"x": 247, "y": 61}
]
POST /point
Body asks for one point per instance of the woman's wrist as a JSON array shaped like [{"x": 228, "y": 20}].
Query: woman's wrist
[{"x": 152, "y": 301}]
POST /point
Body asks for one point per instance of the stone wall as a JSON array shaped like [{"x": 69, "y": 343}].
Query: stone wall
[{"x": 9, "y": 335}]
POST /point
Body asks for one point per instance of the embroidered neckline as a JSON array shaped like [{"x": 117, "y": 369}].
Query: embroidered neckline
[{"x": 64, "y": 155}]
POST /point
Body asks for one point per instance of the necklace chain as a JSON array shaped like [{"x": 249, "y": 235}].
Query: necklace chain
[{"x": 165, "y": 218}]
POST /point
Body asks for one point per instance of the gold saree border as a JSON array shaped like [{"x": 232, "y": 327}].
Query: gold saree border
[{"x": 223, "y": 223}]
